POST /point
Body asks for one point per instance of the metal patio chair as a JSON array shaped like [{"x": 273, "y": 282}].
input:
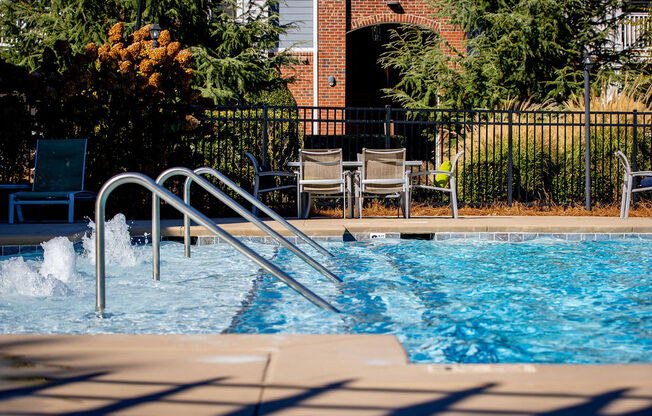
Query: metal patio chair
[
  {"x": 451, "y": 182},
  {"x": 321, "y": 175},
  {"x": 260, "y": 173},
  {"x": 628, "y": 184},
  {"x": 383, "y": 173},
  {"x": 58, "y": 177}
]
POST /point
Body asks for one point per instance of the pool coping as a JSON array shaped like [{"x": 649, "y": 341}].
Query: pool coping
[
  {"x": 496, "y": 228},
  {"x": 513, "y": 237}
]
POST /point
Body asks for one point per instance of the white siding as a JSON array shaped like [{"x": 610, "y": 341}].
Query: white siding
[{"x": 299, "y": 13}]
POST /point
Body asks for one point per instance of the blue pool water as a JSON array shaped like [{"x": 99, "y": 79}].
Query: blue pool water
[{"x": 452, "y": 301}]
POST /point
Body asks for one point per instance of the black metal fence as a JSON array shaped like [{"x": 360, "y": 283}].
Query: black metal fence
[{"x": 523, "y": 156}]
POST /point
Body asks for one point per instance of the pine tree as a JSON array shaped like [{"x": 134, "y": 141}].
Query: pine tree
[{"x": 516, "y": 49}]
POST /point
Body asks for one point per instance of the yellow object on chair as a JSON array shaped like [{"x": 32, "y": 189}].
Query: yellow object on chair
[{"x": 442, "y": 179}]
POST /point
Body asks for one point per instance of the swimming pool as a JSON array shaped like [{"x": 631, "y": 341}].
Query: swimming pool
[{"x": 457, "y": 300}]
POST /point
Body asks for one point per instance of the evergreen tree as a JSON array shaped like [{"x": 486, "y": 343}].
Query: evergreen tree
[
  {"x": 516, "y": 49},
  {"x": 230, "y": 44}
]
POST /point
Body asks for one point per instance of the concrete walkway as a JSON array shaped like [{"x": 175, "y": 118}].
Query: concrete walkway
[{"x": 293, "y": 375}]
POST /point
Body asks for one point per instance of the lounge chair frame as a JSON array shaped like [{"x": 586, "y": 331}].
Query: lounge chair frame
[
  {"x": 451, "y": 183},
  {"x": 43, "y": 194},
  {"x": 329, "y": 161},
  {"x": 259, "y": 172},
  {"x": 628, "y": 184},
  {"x": 388, "y": 178}
]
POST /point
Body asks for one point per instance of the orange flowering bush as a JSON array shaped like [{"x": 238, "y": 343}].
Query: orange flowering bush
[
  {"x": 154, "y": 75},
  {"x": 135, "y": 103}
]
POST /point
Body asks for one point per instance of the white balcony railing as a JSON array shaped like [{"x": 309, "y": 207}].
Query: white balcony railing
[{"x": 628, "y": 34}]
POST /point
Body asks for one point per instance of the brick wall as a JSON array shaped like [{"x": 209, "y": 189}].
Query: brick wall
[
  {"x": 301, "y": 88},
  {"x": 335, "y": 21}
]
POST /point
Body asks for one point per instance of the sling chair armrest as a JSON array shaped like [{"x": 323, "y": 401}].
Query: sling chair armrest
[
  {"x": 382, "y": 181},
  {"x": 431, "y": 172},
  {"x": 321, "y": 181},
  {"x": 277, "y": 188},
  {"x": 434, "y": 188},
  {"x": 276, "y": 173}
]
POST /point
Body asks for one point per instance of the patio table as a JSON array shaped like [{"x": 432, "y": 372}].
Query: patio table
[{"x": 352, "y": 164}]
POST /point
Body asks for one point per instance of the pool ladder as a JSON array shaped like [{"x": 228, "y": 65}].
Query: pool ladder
[{"x": 160, "y": 193}]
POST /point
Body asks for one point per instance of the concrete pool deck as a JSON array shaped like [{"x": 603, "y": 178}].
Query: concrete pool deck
[
  {"x": 35, "y": 233},
  {"x": 303, "y": 374},
  {"x": 292, "y": 375}
]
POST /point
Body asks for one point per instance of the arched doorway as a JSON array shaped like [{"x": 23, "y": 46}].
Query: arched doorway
[{"x": 365, "y": 78}]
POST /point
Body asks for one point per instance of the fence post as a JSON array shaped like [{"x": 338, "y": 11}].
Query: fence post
[
  {"x": 265, "y": 156},
  {"x": 388, "y": 125},
  {"x": 510, "y": 160},
  {"x": 587, "y": 141},
  {"x": 634, "y": 151}
]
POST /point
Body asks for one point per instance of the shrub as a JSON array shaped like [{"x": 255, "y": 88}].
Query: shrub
[{"x": 132, "y": 101}]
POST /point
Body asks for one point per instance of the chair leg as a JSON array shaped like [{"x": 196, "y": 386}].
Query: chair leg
[
  {"x": 348, "y": 190},
  {"x": 19, "y": 212},
  {"x": 629, "y": 196},
  {"x": 254, "y": 209},
  {"x": 11, "y": 209},
  {"x": 308, "y": 206},
  {"x": 298, "y": 202},
  {"x": 71, "y": 209},
  {"x": 623, "y": 200},
  {"x": 402, "y": 202},
  {"x": 356, "y": 188},
  {"x": 453, "y": 197},
  {"x": 408, "y": 203}
]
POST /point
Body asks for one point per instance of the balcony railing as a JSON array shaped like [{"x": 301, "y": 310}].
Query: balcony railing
[{"x": 629, "y": 33}]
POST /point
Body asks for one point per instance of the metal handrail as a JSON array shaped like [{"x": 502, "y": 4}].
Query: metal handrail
[
  {"x": 239, "y": 209},
  {"x": 250, "y": 198},
  {"x": 198, "y": 217}
]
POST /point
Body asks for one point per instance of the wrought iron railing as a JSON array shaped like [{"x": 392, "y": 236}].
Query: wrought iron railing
[
  {"x": 523, "y": 156},
  {"x": 509, "y": 156}
]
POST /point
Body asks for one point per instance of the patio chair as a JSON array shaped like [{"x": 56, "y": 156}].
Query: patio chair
[
  {"x": 628, "y": 184},
  {"x": 441, "y": 174},
  {"x": 58, "y": 177},
  {"x": 321, "y": 174},
  {"x": 383, "y": 173},
  {"x": 260, "y": 173}
]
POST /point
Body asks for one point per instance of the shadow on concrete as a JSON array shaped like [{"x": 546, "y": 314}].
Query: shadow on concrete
[{"x": 307, "y": 399}]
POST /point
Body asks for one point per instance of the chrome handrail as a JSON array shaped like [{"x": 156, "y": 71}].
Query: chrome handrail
[
  {"x": 246, "y": 195},
  {"x": 198, "y": 217},
  {"x": 229, "y": 202}
]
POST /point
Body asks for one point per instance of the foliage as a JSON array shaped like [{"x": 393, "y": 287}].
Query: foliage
[
  {"x": 233, "y": 58},
  {"x": 120, "y": 97},
  {"x": 230, "y": 41},
  {"x": 31, "y": 26},
  {"x": 628, "y": 94},
  {"x": 516, "y": 49},
  {"x": 15, "y": 142}
]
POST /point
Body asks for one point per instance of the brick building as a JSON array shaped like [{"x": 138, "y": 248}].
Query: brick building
[{"x": 349, "y": 36}]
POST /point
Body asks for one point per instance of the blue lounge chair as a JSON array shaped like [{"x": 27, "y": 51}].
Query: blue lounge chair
[{"x": 58, "y": 177}]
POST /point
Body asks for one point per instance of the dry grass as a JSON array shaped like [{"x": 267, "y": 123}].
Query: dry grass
[
  {"x": 553, "y": 132},
  {"x": 377, "y": 209},
  {"x": 633, "y": 94}
]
